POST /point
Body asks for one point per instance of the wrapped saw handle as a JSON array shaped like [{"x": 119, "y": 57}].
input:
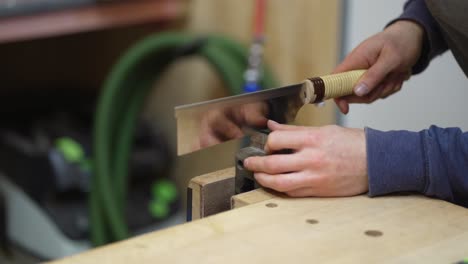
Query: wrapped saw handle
[{"x": 318, "y": 89}]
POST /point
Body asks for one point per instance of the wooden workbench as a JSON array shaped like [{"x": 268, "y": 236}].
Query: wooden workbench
[{"x": 403, "y": 229}]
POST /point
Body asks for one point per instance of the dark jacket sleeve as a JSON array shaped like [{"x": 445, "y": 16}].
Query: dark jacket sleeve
[
  {"x": 433, "y": 162},
  {"x": 434, "y": 43}
]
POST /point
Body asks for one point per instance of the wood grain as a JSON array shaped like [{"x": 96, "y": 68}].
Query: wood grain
[
  {"x": 213, "y": 193},
  {"x": 252, "y": 197},
  {"x": 309, "y": 230}
]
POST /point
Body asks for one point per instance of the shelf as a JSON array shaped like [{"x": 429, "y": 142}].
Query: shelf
[{"x": 89, "y": 18}]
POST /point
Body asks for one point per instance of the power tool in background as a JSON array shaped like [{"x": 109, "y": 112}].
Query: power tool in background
[{"x": 45, "y": 176}]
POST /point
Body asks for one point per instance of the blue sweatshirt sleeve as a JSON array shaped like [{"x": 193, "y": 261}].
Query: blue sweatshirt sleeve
[
  {"x": 434, "y": 43},
  {"x": 433, "y": 162}
]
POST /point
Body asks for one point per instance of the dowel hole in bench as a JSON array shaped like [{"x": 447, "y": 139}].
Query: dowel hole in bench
[
  {"x": 373, "y": 233},
  {"x": 312, "y": 221},
  {"x": 271, "y": 205}
]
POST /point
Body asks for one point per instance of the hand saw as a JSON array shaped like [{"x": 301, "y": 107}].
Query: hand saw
[{"x": 204, "y": 124}]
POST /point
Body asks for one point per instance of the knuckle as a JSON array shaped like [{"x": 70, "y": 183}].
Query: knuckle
[{"x": 311, "y": 137}]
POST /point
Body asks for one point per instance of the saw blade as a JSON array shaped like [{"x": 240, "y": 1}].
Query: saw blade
[{"x": 205, "y": 124}]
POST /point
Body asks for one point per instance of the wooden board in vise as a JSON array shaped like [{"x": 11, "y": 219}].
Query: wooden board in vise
[
  {"x": 213, "y": 193},
  {"x": 210, "y": 193}
]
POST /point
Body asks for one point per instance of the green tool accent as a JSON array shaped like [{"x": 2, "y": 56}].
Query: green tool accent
[
  {"x": 123, "y": 94},
  {"x": 164, "y": 190},
  {"x": 164, "y": 193},
  {"x": 71, "y": 150},
  {"x": 159, "y": 209}
]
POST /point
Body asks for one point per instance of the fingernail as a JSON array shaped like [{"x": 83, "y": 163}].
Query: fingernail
[
  {"x": 273, "y": 122},
  {"x": 246, "y": 163},
  {"x": 361, "y": 89}
]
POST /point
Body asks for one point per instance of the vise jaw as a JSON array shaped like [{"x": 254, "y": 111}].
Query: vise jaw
[{"x": 244, "y": 179}]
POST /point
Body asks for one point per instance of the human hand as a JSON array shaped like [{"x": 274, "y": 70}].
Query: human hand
[
  {"x": 220, "y": 125},
  {"x": 326, "y": 161},
  {"x": 388, "y": 56}
]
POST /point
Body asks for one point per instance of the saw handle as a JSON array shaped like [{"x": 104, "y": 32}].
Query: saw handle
[{"x": 318, "y": 89}]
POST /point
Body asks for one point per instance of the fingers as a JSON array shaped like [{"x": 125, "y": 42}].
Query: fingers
[
  {"x": 275, "y": 164},
  {"x": 290, "y": 139},
  {"x": 355, "y": 60},
  {"x": 273, "y": 126},
  {"x": 390, "y": 85},
  {"x": 342, "y": 104},
  {"x": 282, "y": 182},
  {"x": 383, "y": 59},
  {"x": 376, "y": 74},
  {"x": 368, "y": 98},
  {"x": 393, "y": 85}
]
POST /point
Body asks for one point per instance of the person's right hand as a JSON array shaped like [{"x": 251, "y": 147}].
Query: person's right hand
[{"x": 388, "y": 56}]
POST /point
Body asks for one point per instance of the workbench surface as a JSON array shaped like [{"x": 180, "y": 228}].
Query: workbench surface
[{"x": 410, "y": 229}]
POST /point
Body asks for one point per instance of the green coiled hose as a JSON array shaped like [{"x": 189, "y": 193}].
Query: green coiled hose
[{"x": 120, "y": 103}]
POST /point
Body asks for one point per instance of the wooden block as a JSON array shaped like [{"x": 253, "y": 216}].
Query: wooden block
[
  {"x": 397, "y": 229},
  {"x": 213, "y": 193},
  {"x": 252, "y": 197},
  {"x": 210, "y": 193}
]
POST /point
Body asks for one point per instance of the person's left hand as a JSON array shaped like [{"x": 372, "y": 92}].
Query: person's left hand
[{"x": 326, "y": 161}]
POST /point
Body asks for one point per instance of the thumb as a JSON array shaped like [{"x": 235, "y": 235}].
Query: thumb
[{"x": 375, "y": 75}]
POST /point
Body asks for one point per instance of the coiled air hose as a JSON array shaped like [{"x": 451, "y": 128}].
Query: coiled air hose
[{"x": 120, "y": 103}]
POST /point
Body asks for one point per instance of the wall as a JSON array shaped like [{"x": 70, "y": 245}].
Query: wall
[{"x": 420, "y": 103}]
